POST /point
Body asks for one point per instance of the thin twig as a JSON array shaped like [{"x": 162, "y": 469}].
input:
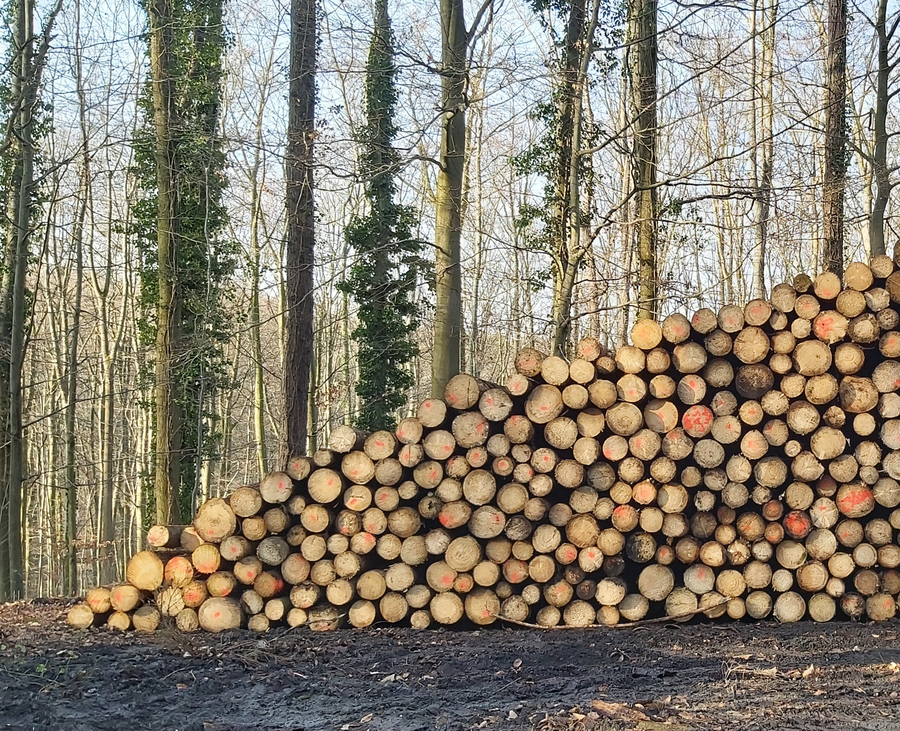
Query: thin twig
[{"x": 626, "y": 625}]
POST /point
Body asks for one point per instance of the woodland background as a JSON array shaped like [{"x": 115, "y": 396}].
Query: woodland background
[{"x": 592, "y": 160}]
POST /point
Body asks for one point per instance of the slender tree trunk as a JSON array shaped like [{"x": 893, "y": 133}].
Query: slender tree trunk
[
  {"x": 762, "y": 144},
  {"x": 566, "y": 177},
  {"x": 168, "y": 416},
  {"x": 836, "y": 155},
  {"x": 27, "y": 68},
  {"x": 259, "y": 390},
  {"x": 883, "y": 185},
  {"x": 25, "y": 32},
  {"x": 446, "y": 353},
  {"x": 300, "y": 239},
  {"x": 626, "y": 226},
  {"x": 71, "y": 571},
  {"x": 642, "y": 22}
]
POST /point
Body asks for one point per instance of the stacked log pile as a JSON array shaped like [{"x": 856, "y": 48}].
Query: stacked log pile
[{"x": 737, "y": 464}]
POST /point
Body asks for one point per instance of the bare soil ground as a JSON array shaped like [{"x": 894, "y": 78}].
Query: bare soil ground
[{"x": 665, "y": 677}]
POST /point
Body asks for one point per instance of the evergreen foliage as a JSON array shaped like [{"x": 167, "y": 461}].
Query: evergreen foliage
[
  {"x": 204, "y": 257},
  {"x": 383, "y": 276}
]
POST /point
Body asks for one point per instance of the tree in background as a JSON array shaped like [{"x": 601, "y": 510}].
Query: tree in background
[
  {"x": 881, "y": 167},
  {"x": 300, "y": 245},
  {"x": 180, "y": 219},
  {"x": 836, "y": 153},
  {"x": 382, "y": 278},
  {"x": 563, "y": 156},
  {"x": 762, "y": 142},
  {"x": 25, "y": 123},
  {"x": 446, "y": 353},
  {"x": 456, "y": 48},
  {"x": 643, "y": 52}
]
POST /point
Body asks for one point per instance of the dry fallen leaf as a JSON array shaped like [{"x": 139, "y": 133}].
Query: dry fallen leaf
[
  {"x": 618, "y": 711},
  {"x": 809, "y": 671},
  {"x": 368, "y": 717}
]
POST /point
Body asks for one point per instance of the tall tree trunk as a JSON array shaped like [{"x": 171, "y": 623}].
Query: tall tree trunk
[
  {"x": 300, "y": 239},
  {"x": 762, "y": 145},
  {"x": 168, "y": 413},
  {"x": 259, "y": 391},
  {"x": 71, "y": 563},
  {"x": 565, "y": 184},
  {"x": 836, "y": 154},
  {"x": 446, "y": 353},
  {"x": 882, "y": 174},
  {"x": 642, "y": 25},
  {"x": 571, "y": 252},
  {"x": 29, "y": 56}
]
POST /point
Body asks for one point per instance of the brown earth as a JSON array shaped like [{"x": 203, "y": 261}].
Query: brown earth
[{"x": 665, "y": 677}]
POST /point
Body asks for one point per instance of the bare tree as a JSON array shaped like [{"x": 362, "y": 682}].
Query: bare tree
[
  {"x": 883, "y": 94},
  {"x": 643, "y": 65},
  {"x": 300, "y": 237},
  {"x": 836, "y": 153}
]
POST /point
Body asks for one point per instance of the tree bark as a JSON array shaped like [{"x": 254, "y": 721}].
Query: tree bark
[
  {"x": 71, "y": 564},
  {"x": 571, "y": 250},
  {"x": 29, "y": 53},
  {"x": 446, "y": 353},
  {"x": 763, "y": 150},
  {"x": 300, "y": 237},
  {"x": 168, "y": 416},
  {"x": 836, "y": 154},
  {"x": 880, "y": 158},
  {"x": 642, "y": 25}
]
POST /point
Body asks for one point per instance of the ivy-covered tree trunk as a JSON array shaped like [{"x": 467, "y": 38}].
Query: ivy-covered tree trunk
[
  {"x": 300, "y": 244},
  {"x": 180, "y": 219},
  {"x": 168, "y": 416},
  {"x": 570, "y": 220},
  {"x": 383, "y": 276}
]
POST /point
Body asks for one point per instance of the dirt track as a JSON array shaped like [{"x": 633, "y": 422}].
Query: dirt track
[{"x": 667, "y": 677}]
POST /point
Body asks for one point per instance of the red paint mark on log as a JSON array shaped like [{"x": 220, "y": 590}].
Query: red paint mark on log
[
  {"x": 854, "y": 499},
  {"x": 697, "y": 420}
]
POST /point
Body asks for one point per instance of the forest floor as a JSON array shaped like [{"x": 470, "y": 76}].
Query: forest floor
[{"x": 668, "y": 677}]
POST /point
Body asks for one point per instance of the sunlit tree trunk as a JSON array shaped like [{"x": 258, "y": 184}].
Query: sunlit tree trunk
[
  {"x": 881, "y": 170},
  {"x": 168, "y": 416},
  {"x": 762, "y": 150},
  {"x": 446, "y": 353},
  {"x": 300, "y": 238},
  {"x": 836, "y": 153},
  {"x": 642, "y": 34}
]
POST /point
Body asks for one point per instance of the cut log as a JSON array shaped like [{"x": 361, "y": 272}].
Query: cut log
[
  {"x": 218, "y": 614},
  {"x": 215, "y": 520},
  {"x": 344, "y": 439},
  {"x": 165, "y": 536},
  {"x": 145, "y": 571},
  {"x": 146, "y": 618}
]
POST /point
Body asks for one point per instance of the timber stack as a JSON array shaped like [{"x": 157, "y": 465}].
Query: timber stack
[{"x": 736, "y": 464}]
